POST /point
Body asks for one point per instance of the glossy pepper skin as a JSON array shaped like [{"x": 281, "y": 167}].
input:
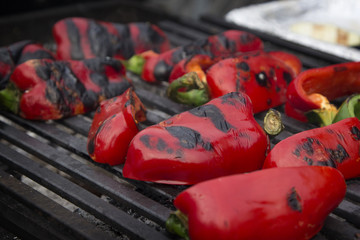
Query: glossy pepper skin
[
  {"x": 213, "y": 140},
  {"x": 114, "y": 125},
  {"x": 45, "y": 89},
  {"x": 314, "y": 88},
  {"x": 271, "y": 204},
  {"x": 336, "y": 145},
  {"x": 17, "y": 53},
  {"x": 261, "y": 75},
  {"x": 81, "y": 38},
  {"x": 159, "y": 67}
]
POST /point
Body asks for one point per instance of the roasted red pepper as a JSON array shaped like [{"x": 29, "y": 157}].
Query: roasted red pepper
[
  {"x": 46, "y": 89},
  {"x": 158, "y": 67},
  {"x": 18, "y": 53},
  {"x": 263, "y": 76},
  {"x": 219, "y": 138},
  {"x": 313, "y": 89},
  {"x": 82, "y": 38},
  {"x": 336, "y": 145},
  {"x": 114, "y": 125},
  {"x": 271, "y": 204}
]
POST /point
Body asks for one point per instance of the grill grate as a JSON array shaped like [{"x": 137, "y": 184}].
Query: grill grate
[{"x": 53, "y": 154}]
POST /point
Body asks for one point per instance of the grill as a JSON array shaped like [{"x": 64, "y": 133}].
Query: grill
[{"x": 50, "y": 188}]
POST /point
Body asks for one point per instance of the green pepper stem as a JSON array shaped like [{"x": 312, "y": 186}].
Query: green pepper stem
[
  {"x": 349, "y": 108},
  {"x": 10, "y": 98},
  {"x": 135, "y": 64},
  {"x": 188, "y": 89},
  {"x": 321, "y": 117},
  {"x": 177, "y": 223},
  {"x": 272, "y": 123}
]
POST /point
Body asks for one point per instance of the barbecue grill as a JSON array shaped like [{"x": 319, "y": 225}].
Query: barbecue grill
[{"x": 51, "y": 189}]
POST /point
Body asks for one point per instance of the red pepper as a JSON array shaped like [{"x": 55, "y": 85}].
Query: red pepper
[
  {"x": 313, "y": 89},
  {"x": 46, "y": 89},
  {"x": 336, "y": 145},
  {"x": 216, "y": 139},
  {"x": 158, "y": 68},
  {"x": 262, "y": 76},
  {"x": 272, "y": 204},
  {"x": 82, "y": 38},
  {"x": 113, "y": 127},
  {"x": 17, "y": 53}
]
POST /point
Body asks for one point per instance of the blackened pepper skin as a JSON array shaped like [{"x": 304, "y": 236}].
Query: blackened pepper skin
[
  {"x": 82, "y": 38},
  {"x": 336, "y": 145},
  {"x": 56, "y": 89},
  {"x": 216, "y": 139}
]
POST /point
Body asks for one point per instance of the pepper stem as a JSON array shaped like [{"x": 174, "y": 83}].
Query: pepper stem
[
  {"x": 135, "y": 64},
  {"x": 177, "y": 223},
  {"x": 10, "y": 98},
  {"x": 349, "y": 108},
  {"x": 272, "y": 123},
  {"x": 321, "y": 117},
  {"x": 188, "y": 89}
]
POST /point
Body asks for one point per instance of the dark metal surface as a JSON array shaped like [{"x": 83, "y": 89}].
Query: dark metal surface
[{"x": 53, "y": 154}]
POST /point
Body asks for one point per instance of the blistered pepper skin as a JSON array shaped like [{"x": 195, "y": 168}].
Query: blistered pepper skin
[
  {"x": 17, "y": 53},
  {"x": 159, "y": 68},
  {"x": 113, "y": 127},
  {"x": 336, "y": 145},
  {"x": 82, "y": 38},
  {"x": 262, "y": 76},
  {"x": 331, "y": 81},
  {"x": 213, "y": 140},
  {"x": 271, "y": 204},
  {"x": 56, "y": 89}
]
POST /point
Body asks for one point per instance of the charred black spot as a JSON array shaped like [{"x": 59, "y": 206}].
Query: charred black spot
[
  {"x": 90, "y": 100},
  {"x": 161, "y": 145},
  {"x": 124, "y": 44},
  {"x": 262, "y": 79},
  {"x": 355, "y": 132},
  {"x": 294, "y": 200},
  {"x": 214, "y": 114},
  {"x": 340, "y": 68},
  {"x": 243, "y": 66},
  {"x": 247, "y": 38},
  {"x": 74, "y": 37},
  {"x": 145, "y": 139},
  {"x": 100, "y": 40},
  {"x": 188, "y": 138},
  {"x": 307, "y": 146},
  {"x": 328, "y": 163},
  {"x": 308, "y": 160},
  {"x": 40, "y": 54},
  {"x": 169, "y": 150},
  {"x": 287, "y": 77},
  {"x": 150, "y": 37},
  {"x": 91, "y": 146},
  {"x": 297, "y": 152},
  {"x": 15, "y": 50},
  {"x": 338, "y": 155},
  {"x": 162, "y": 71},
  {"x": 115, "y": 89},
  {"x": 230, "y": 97},
  {"x": 269, "y": 101}
]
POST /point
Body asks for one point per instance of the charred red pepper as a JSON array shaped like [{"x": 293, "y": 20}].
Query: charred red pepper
[
  {"x": 82, "y": 38},
  {"x": 263, "y": 76},
  {"x": 114, "y": 125},
  {"x": 17, "y": 53},
  {"x": 272, "y": 204},
  {"x": 336, "y": 145},
  {"x": 45, "y": 89},
  {"x": 311, "y": 92},
  {"x": 159, "y": 66},
  {"x": 219, "y": 138}
]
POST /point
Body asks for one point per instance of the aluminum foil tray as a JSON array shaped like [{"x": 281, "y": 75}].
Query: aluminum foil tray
[{"x": 278, "y": 17}]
